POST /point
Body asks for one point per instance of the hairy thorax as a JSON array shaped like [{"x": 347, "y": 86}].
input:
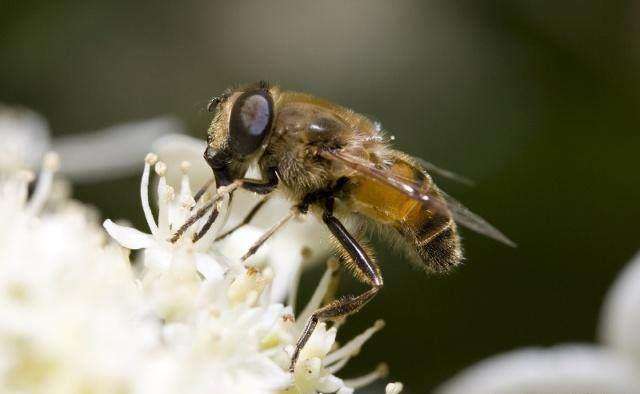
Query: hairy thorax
[{"x": 300, "y": 131}]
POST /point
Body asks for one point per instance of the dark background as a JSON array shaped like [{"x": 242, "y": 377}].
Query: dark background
[{"x": 536, "y": 101}]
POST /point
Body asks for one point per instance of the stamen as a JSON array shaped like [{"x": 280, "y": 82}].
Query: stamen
[
  {"x": 380, "y": 372},
  {"x": 50, "y": 165},
  {"x": 393, "y": 388},
  {"x": 165, "y": 195},
  {"x": 160, "y": 168},
  {"x": 333, "y": 369},
  {"x": 267, "y": 278},
  {"x": 185, "y": 187},
  {"x": 182, "y": 209},
  {"x": 150, "y": 160},
  {"x": 353, "y": 347},
  {"x": 318, "y": 294},
  {"x": 247, "y": 287}
]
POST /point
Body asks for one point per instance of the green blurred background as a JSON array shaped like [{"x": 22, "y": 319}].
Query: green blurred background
[{"x": 536, "y": 101}]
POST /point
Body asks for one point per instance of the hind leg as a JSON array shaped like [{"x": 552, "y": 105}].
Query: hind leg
[{"x": 366, "y": 268}]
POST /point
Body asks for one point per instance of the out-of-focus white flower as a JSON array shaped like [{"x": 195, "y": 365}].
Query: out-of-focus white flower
[
  {"x": 564, "y": 369},
  {"x": 25, "y": 138},
  {"x": 111, "y": 152},
  {"x": 612, "y": 367},
  {"x": 393, "y": 388},
  {"x": 77, "y": 318},
  {"x": 620, "y": 319},
  {"x": 67, "y": 298},
  {"x": 302, "y": 240}
]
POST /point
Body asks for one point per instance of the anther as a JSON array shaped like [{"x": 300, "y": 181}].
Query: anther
[
  {"x": 160, "y": 168},
  {"x": 151, "y": 158}
]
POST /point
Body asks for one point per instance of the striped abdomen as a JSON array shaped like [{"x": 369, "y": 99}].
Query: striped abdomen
[{"x": 426, "y": 228}]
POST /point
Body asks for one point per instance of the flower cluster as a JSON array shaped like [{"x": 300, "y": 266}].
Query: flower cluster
[
  {"x": 613, "y": 366},
  {"x": 218, "y": 313},
  {"x": 67, "y": 297},
  {"x": 82, "y": 314}
]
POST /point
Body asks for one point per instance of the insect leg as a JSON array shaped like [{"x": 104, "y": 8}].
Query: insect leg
[
  {"x": 260, "y": 186},
  {"x": 222, "y": 191},
  {"x": 207, "y": 225},
  {"x": 349, "y": 304},
  {"x": 189, "y": 222},
  {"x": 202, "y": 190},
  {"x": 254, "y": 248},
  {"x": 246, "y": 219}
]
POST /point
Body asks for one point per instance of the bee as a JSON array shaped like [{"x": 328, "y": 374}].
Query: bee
[{"x": 337, "y": 164}]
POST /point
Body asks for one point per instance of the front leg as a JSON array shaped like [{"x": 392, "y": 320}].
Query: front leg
[
  {"x": 253, "y": 185},
  {"x": 366, "y": 267},
  {"x": 246, "y": 220}
]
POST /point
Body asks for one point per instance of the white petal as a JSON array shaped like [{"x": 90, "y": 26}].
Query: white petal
[
  {"x": 128, "y": 237},
  {"x": 174, "y": 149},
  {"x": 111, "y": 152},
  {"x": 237, "y": 244},
  {"x": 286, "y": 263},
  {"x": 25, "y": 138},
  {"x": 566, "y": 369},
  {"x": 620, "y": 318},
  {"x": 209, "y": 267},
  {"x": 320, "y": 342}
]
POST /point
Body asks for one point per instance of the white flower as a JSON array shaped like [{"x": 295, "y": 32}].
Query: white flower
[
  {"x": 79, "y": 316},
  {"x": 172, "y": 269},
  {"x": 224, "y": 318},
  {"x": 563, "y": 369},
  {"x": 620, "y": 320},
  {"x": 612, "y": 367},
  {"x": 393, "y": 388},
  {"x": 106, "y": 153},
  {"x": 25, "y": 138},
  {"x": 65, "y": 319}
]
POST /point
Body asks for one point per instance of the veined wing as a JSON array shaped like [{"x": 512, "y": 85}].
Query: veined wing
[
  {"x": 434, "y": 169},
  {"x": 463, "y": 216},
  {"x": 407, "y": 186}
]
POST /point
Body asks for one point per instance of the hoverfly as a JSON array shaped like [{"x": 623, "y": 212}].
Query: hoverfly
[{"x": 334, "y": 163}]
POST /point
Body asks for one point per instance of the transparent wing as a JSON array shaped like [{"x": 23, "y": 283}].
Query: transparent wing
[
  {"x": 407, "y": 186},
  {"x": 434, "y": 169},
  {"x": 463, "y": 216}
]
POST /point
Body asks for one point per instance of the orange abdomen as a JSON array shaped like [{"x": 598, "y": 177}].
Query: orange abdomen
[{"x": 426, "y": 227}]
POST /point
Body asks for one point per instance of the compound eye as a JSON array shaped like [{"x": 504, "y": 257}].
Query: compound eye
[{"x": 250, "y": 121}]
